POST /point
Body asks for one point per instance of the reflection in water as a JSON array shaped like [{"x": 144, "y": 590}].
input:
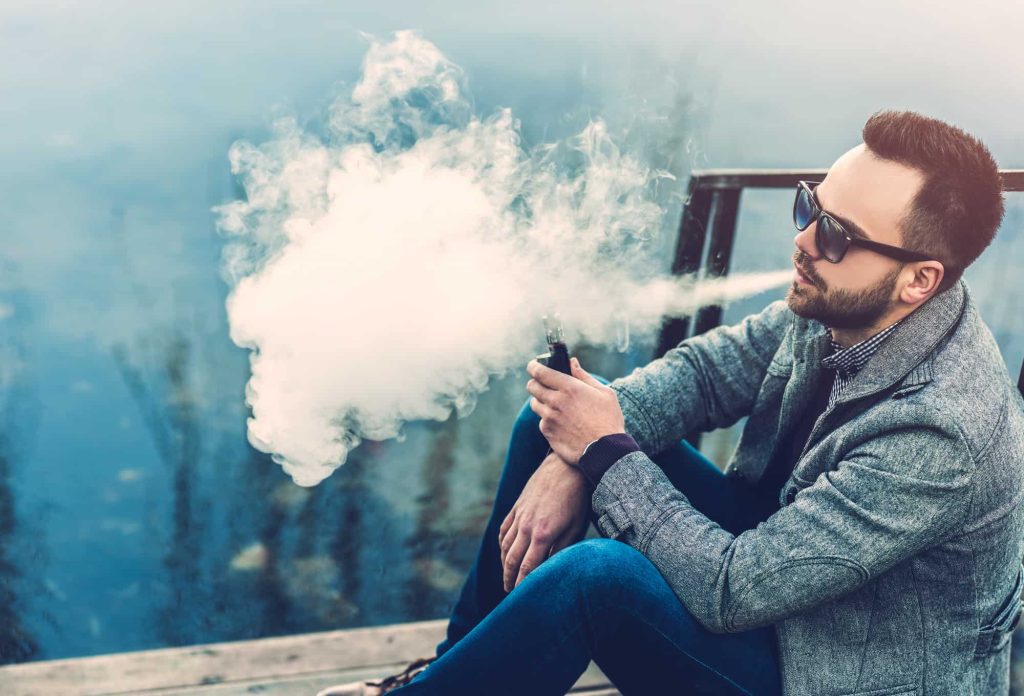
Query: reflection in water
[
  {"x": 315, "y": 578},
  {"x": 16, "y": 643},
  {"x": 236, "y": 549},
  {"x": 249, "y": 597},
  {"x": 346, "y": 545},
  {"x": 274, "y": 606},
  {"x": 204, "y": 498},
  {"x": 429, "y": 540},
  {"x": 169, "y": 408}
]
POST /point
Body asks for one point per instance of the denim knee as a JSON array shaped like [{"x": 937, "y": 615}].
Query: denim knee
[{"x": 598, "y": 566}]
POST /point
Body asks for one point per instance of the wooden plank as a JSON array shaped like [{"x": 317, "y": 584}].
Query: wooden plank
[
  {"x": 300, "y": 664},
  {"x": 224, "y": 662},
  {"x": 591, "y": 683}
]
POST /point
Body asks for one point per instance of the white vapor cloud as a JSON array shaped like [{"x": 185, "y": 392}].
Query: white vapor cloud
[{"x": 385, "y": 270}]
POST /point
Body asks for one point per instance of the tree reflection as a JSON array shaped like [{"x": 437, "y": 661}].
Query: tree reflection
[
  {"x": 167, "y": 403},
  {"x": 16, "y": 643},
  {"x": 429, "y": 539}
]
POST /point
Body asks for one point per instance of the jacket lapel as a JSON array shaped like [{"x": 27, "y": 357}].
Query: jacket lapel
[
  {"x": 910, "y": 343},
  {"x": 903, "y": 356},
  {"x": 808, "y": 352},
  {"x": 903, "y": 353},
  {"x": 764, "y": 430}
]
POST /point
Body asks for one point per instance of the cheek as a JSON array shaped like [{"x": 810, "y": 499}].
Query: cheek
[
  {"x": 854, "y": 273},
  {"x": 840, "y": 276}
]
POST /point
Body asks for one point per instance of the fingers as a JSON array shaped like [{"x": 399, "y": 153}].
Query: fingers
[
  {"x": 539, "y": 408},
  {"x": 506, "y": 523},
  {"x": 579, "y": 373},
  {"x": 513, "y": 559},
  {"x": 507, "y": 540},
  {"x": 540, "y": 392},
  {"x": 544, "y": 401},
  {"x": 535, "y": 555},
  {"x": 572, "y": 534},
  {"x": 564, "y": 539},
  {"x": 553, "y": 379}
]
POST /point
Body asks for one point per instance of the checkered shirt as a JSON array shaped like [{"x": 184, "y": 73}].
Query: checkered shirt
[{"x": 847, "y": 362}]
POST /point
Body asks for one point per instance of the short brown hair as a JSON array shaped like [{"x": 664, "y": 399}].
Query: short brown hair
[{"x": 956, "y": 213}]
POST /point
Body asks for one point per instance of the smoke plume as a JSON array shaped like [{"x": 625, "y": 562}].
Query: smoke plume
[{"x": 384, "y": 270}]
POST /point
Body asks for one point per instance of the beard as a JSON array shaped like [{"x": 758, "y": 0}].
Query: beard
[{"x": 840, "y": 309}]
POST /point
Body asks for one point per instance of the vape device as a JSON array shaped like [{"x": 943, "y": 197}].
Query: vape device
[{"x": 557, "y": 357}]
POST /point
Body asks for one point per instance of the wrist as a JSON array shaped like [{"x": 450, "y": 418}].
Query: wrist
[
  {"x": 602, "y": 453},
  {"x": 586, "y": 448}
]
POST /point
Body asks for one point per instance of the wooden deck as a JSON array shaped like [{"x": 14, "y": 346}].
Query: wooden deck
[{"x": 288, "y": 666}]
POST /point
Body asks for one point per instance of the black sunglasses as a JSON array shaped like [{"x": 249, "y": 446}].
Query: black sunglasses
[{"x": 832, "y": 238}]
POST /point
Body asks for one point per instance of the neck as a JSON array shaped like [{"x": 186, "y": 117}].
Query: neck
[{"x": 850, "y": 337}]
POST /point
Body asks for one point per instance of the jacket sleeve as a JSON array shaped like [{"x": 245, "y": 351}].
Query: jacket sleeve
[
  {"x": 706, "y": 382},
  {"x": 888, "y": 498}
]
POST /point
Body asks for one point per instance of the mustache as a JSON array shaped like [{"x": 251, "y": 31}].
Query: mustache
[{"x": 801, "y": 261}]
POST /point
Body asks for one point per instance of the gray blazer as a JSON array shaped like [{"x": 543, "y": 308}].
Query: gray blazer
[{"x": 893, "y": 565}]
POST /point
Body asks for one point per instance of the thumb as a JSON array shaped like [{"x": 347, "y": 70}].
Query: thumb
[{"x": 579, "y": 373}]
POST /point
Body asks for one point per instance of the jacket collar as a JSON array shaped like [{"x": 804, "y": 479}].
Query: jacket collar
[
  {"x": 903, "y": 356},
  {"x": 850, "y": 360},
  {"x": 913, "y": 340}
]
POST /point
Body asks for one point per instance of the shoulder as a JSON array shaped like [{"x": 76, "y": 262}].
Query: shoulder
[{"x": 967, "y": 387}]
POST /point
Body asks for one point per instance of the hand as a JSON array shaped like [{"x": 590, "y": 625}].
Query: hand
[
  {"x": 574, "y": 411},
  {"x": 551, "y": 513}
]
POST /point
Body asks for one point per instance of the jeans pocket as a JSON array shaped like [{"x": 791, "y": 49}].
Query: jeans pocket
[{"x": 996, "y": 634}]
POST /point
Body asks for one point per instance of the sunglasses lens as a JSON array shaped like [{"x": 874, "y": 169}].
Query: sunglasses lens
[
  {"x": 831, "y": 241},
  {"x": 803, "y": 209}
]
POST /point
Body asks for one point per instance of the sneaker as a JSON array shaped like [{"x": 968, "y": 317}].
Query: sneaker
[{"x": 375, "y": 688}]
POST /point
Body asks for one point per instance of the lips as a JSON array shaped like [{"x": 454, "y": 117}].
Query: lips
[{"x": 803, "y": 276}]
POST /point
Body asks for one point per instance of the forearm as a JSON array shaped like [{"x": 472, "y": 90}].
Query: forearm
[
  {"x": 708, "y": 381},
  {"x": 856, "y": 522}
]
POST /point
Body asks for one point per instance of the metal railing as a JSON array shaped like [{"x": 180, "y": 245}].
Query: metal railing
[{"x": 708, "y": 227}]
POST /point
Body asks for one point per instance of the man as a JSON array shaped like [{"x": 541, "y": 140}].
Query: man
[{"x": 865, "y": 539}]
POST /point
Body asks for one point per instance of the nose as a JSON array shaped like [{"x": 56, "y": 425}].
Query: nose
[{"x": 805, "y": 241}]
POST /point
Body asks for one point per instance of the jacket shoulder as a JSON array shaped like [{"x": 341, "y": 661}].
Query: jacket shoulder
[{"x": 967, "y": 383}]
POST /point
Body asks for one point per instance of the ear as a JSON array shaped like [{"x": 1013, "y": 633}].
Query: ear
[{"x": 925, "y": 281}]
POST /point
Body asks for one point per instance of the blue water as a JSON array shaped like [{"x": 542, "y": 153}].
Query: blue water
[{"x": 138, "y": 515}]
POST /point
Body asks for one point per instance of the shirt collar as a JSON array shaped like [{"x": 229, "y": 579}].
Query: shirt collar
[{"x": 849, "y": 361}]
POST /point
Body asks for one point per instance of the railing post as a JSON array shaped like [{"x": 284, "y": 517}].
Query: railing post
[
  {"x": 689, "y": 250},
  {"x": 723, "y": 232}
]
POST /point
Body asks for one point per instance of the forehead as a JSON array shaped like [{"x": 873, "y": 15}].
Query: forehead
[{"x": 872, "y": 193}]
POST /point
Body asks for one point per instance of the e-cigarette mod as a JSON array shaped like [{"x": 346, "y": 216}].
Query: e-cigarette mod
[{"x": 557, "y": 357}]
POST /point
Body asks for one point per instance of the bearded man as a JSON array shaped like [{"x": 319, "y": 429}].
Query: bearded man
[{"x": 866, "y": 537}]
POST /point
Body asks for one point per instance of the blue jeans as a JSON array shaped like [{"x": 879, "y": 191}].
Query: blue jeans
[{"x": 600, "y": 600}]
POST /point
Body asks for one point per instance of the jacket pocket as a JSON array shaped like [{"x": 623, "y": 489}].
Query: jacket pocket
[{"x": 996, "y": 634}]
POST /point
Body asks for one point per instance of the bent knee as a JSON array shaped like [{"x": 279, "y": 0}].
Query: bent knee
[{"x": 598, "y": 564}]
